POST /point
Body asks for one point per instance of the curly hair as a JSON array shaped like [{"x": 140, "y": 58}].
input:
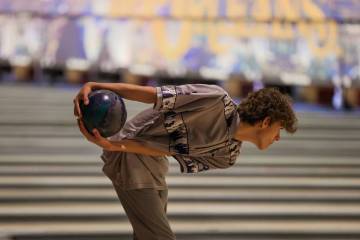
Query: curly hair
[{"x": 268, "y": 102}]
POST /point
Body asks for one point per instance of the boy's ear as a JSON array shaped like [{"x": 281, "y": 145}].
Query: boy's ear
[{"x": 266, "y": 122}]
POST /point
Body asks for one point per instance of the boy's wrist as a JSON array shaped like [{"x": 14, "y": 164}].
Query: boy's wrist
[{"x": 92, "y": 85}]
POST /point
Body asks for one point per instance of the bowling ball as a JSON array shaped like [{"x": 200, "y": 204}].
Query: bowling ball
[{"x": 106, "y": 112}]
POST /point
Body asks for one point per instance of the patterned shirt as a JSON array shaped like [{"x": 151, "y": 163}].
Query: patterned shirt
[{"x": 194, "y": 122}]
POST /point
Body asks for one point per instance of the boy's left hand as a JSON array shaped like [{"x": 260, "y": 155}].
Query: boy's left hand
[{"x": 96, "y": 138}]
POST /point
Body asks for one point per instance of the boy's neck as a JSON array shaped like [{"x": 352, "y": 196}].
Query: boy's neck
[{"x": 246, "y": 132}]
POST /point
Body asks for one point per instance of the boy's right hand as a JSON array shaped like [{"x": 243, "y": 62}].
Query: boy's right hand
[{"x": 82, "y": 96}]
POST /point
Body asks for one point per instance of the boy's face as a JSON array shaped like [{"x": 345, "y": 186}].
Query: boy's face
[{"x": 268, "y": 133}]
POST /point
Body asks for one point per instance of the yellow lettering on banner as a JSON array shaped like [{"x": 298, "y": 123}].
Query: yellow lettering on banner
[
  {"x": 199, "y": 27},
  {"x": 287, "y": 9},
  {"x": 202, "y": 8},
  {"x": 312, "y": 11},
  {"x": 221, "y": 30},
  {"x": 261, "y": 10},
  {"x": 236, "y": 9},
  {"x": 151, "y": 7},
  {"x": 116, "y": 8},
  {"x": 122, "y": 8},
  {"x": 136, "y": 8},
  {"x": 260, "y": 29},
  {"x": 303, "y": 29},
  {"x": 172, "y": 51},
  {"x": 235, "y": 30},
  {"x": 242, "y": 29},
  {"x": 214, "y": 36},
  {"x": 178, "y": 8},
  {"x": 227, "y": 28},
  {"x": 250, "y": 29},
  {"x": 133, "y": 8},
  {"x": 281, "y": 30},
  {"x": 322, "y": 38}
]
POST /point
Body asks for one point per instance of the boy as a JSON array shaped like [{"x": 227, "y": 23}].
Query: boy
[{"x": 197, "y": 124}]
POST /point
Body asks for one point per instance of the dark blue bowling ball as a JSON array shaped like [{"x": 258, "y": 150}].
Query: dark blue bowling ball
[{"x": 106, "y": 112}]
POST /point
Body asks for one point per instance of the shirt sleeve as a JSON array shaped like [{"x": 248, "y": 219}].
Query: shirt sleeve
[{"x": 189, "y": 97}]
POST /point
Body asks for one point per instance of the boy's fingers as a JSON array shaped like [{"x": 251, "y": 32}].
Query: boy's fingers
[
  {"x": 80, "y": 126},
  {"x": 83, "y": 130},
  {"x": 77, "y": 108},
  {"x": 83, "y": 127},
  {"x": 86, "y": 99},
  {"x": 76, "y": 114},
  {"x": 96, "y": 133}
]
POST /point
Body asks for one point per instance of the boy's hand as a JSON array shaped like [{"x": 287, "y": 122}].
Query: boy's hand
[
  {"x": 82, "y": 96},
  {"x": 96, "y": 138}
]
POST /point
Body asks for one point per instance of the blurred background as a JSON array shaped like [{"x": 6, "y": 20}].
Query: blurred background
[{"x": 307, "y": 186}]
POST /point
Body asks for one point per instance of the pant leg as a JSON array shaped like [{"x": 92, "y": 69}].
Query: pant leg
[{"x": 146, "y": 210}]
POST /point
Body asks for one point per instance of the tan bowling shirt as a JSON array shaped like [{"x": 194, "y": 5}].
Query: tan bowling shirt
[{"x": 194, "y": 122}]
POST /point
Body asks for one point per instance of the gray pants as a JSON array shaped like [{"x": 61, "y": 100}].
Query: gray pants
[{"x": 146, "y": 210}]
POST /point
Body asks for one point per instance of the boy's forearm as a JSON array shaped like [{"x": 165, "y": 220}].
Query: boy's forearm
[
  {"x": 145, "y": 94},
  {"x": 136, "y": 147}
]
